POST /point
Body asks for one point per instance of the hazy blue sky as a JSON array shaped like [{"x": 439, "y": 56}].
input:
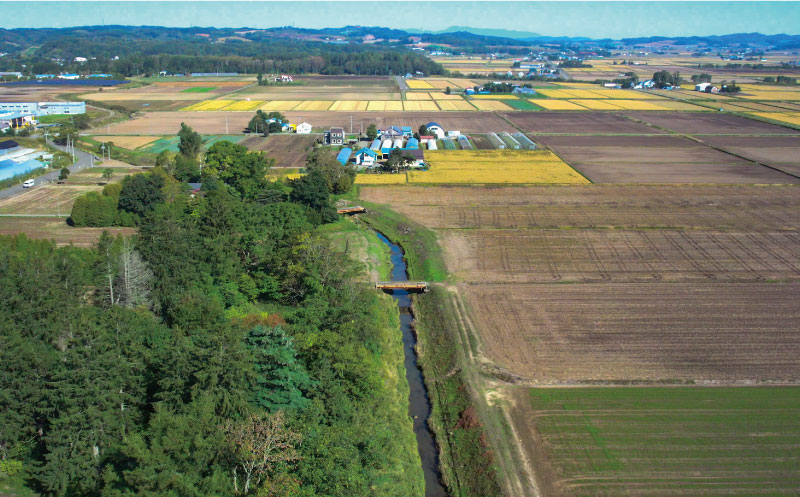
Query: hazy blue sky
[{"x": 592, "y": 19}]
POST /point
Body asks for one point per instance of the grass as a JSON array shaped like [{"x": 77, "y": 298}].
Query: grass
[
  {"x": 362, "y": 245},
  {"x": 466, "y": 462},
  {"x": 423, "y": 254},
  {"x": 199, "y": 89},
  {"x": 696, "y": 441}
]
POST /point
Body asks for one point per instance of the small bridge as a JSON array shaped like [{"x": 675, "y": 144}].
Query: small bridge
[
  {"x": 356, "y": 209},
  {"x": 410, "y": 286}
]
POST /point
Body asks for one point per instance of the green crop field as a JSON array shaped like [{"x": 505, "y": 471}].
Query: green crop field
[
  {"x": 170, "y": 143},
  {"x": 199, "y": 89},
  {"x": 522, "y": 104},
  {"x": 671, "y": 441}
]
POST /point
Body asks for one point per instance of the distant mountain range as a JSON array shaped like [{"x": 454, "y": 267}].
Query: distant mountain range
[{"x": 503, "y": 33}]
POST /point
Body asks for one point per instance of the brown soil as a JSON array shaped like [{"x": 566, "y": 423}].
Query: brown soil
[
  {"x": 549, "y": 256},
  {"x": 649, "y": 332},
  {"x": 56, "y": 229},
  {"x": 710, "y": 124},
  {"x": 710, "y": 207},
  {"x": 466, "y": 122},
  {"x": 287, "y": 150},
  {"x": 657, "y": 159},
  {"x": 576, "y": 123}
]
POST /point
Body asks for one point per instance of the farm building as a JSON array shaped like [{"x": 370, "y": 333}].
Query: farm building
[
  {"x": 68, "y": 76},
  {"x": 44, "y": 108},
  {"x": 463, "y": 141},
  {"x": 524, "y": 91},
  {"x": 336, "y": 136},
  {"x": 15, "y": 120},
  {"x": 303, "y": 129},
  {"x": 397, "y": 143},
  {"x": 8, "y": 146},
  {"x": 366, "y": 157},
  {"x": 407, "y": 131},
  {"x": 495, "y": 141},
  {"x": 392, "y": 133},
  {"x": 418, "y": 155},
  {"x": 376, "y": 144},
  {"x": 412, "y": 143},
  {"x": 10, "y": 168},
  {"x": 524, "y": 142},
  {"x": 426, "y": 139},
  {"x": 344, "y": 155},
  {"x": 436, "y": 129},
  {"x": 432, "y": 145},
  {"x": 706, "y": 87},
  {"x": 453, "y": 134}
]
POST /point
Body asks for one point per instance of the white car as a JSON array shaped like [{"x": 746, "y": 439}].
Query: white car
[{"x": 28, "y": 183}]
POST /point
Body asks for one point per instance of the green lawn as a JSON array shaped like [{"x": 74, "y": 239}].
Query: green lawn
[
  {"x": 688, "y": 441},
  {"x": 199, "y": 89}
]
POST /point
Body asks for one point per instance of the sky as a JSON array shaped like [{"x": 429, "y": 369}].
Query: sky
[{"x": 593, "y": 19}]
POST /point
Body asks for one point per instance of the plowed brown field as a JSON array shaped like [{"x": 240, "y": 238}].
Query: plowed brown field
[
  {"x": 287, "y": 150},
  {"x": 625, "y": 332}
]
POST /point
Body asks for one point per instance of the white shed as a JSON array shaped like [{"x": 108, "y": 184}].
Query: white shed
[{"x": 303, "y": 129}]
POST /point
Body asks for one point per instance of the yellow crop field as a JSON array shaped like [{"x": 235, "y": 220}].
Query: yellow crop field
[
  {"x": 772, "y": 95},
  {"x": 490, "y": 105},
  {"x": 462, "y": 83},
  {"x": 454, "y": 105},
  {"x": 245, "y": 105},
  {"x": 381, "y": 179},
  {"x": 394, "y": 105},
  {"x": 578, "y": 85},
  {"x": 419, "y": 105},
  {"x": 280, "y": 105},
  {"x": 314, "y": 105},
  {"x": 209, "y": 105},
  {"x": 438, "y": 83},
  {"x": 445, "y": 96},
  {"x": 379, "y": 105},
  {"x": 558, "y": 105},
  {"x": 556, "y": 93},
  {"x": 349, "y": 105},
  {"x": 638, "y": 105},
  {"x": 626, "y": 94},
  {"x": 583, "y": 93},
  {"x": 766, "y": 88},
  {"x": 784, "y": 117},
  {"x": 495, "y": 97},
  {"x": 419, "y": 95},
  {"x": 495, "y": 167},
  {"x": 418, "y": 85},
  {"x": 596, "y": 104}
]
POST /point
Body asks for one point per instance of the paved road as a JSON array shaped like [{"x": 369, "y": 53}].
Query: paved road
[{"x": 82, "y": 161}]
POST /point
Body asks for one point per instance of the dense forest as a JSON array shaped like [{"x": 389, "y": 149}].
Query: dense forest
[
  {"x": 130, "y": 51},
  {"x": 224, "y": 350}
]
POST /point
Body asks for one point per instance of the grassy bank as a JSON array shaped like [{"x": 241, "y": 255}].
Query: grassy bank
[
  {"x": 423, "y": 254},
  {"x": 467, "y": 461}
]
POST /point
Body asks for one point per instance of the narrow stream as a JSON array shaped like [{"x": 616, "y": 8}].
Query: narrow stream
[{"x": 419, "y": 405}]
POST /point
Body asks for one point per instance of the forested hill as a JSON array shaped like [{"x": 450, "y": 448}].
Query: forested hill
[
  {"x": 128, "y": 51},
  {"x": 224, "y": 351}
]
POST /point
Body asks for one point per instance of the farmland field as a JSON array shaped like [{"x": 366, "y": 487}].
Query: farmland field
[
  {"x": 490, "y": 105},
  {"x": 781, "y": 152},
  {"x": 697, "y": 207},
  {"x": 57, "y": 229},
  {"x": 710, "y": 124},
  {"x": 46, "y": 199},
  {"x": 287, "y": 150},
  {"x": 129, "y": 142},
  {"x": 572, "y": 123},
  {"x": 499, "y": 166},
  {"x": 657, "y": 159},
  {"x": 653, "y": 442}
]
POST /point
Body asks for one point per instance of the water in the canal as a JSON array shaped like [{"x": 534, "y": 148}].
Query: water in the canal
[{"x": 419, "y": 405}]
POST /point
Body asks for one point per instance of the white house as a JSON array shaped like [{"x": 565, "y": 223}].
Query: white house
[
  {"x": 303, "y": 129},
  {"x": 437, "y": 130},
  {"x": 453, "y": 133},
  {"x": 366, "y": 157},
  {"x": 80, "y": 59}
]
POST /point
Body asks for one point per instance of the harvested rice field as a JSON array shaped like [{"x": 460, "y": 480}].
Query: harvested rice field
[
  {"x": 490, "y": 105},
  {"x": 451, "y": 105},
  {"x": 414, "y": 106},
  {"x": 559, "y": 105},
  {"x": 289, "y": 151},
  {"x": 129, "y": 142},
  {"x": 57, "y": 229},
  {"x": 349, "y": 105}
]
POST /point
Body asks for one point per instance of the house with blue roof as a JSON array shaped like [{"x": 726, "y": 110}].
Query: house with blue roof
[
  {"x": 366, "y": 157},
  {"x": 412, "y": 144},
  {"x": 344, "y": 156},
  {"x": 407, "y": 132},
  {"x": 392, "y": 133}
]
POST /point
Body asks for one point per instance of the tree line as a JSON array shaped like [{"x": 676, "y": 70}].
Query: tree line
[{"x": 224, "y": 350}]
